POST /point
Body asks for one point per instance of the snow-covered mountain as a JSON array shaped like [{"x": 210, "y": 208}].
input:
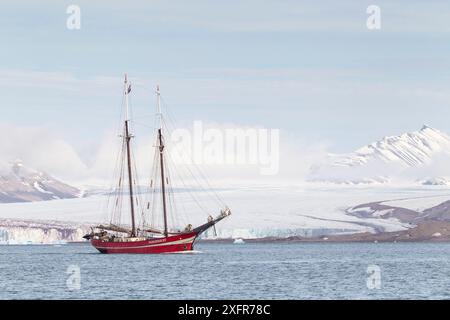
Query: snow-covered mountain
[
  {"x": 21, "y": 184},
  {"x": 418, "y": 156}
]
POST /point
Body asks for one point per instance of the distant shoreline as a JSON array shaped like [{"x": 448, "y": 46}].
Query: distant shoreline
[{"x": 428, "y": 231}]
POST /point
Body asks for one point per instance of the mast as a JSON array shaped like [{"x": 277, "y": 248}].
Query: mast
[
  {"x": 161, "y": 159},
  {"x": 128, "y": 137}
]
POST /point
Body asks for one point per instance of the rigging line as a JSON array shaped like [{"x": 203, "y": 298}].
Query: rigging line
[
  {"x": 170, "y": 193},
  {"x": 172, "y": 190},
  {"x": 121, "y": 194},
  {"x": 167, "y": 124},
  {"x": 205, "y": 178},
  {"x": 117, "y": 156},
  {"x": 117, "y": 173},
  {"x": 151, "y": 187},
  {"x": 145, "y": 116},
  {"x": 188, "y": 188},
  {"x": 139, "y": 85},
  {"x": 211, "y": 192},
  {"x": 141, "y": 124},
  {"x": 173, "y": 196},
  {"x": 173, "y": 185},
  {"x": 114, "y": 193},
  {"x": 203, "y": 174},
  {"x": 138, "y": 194},
  {"x": 169, "y": 196},
  {"x": 117, "y": 192},
  {"x": 218, "y": 198},
  {"x": 154, "y": 178},
  {"x": 135, "y": 198}
]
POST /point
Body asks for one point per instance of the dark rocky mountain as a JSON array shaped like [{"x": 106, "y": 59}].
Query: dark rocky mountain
[{"x": 21, "y": 184}]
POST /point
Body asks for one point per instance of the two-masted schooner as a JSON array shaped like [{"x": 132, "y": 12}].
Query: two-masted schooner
[{"x": 145, "y": 238}]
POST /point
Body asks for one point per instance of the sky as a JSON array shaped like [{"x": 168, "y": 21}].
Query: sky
[{"x": 311, "y": 69}]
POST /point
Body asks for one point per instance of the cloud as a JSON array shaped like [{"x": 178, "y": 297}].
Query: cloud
[
  {"x": 40, "y": 148},
  {"x": 43, "y": 149},
  {"x": 230, "y": 152}
]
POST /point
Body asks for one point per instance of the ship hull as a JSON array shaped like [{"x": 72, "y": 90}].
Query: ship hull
[{"x": 171, "y": 244}]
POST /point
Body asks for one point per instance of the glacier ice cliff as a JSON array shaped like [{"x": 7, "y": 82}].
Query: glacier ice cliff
[{"x": 14, "y": 231}]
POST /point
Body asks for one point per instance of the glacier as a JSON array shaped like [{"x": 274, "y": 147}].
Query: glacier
[
  {"x": 17, "y": 231},
  {"x": 307, "y": 210}
]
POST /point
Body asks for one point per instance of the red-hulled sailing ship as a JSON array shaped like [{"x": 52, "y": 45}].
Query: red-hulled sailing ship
[{"x": 145, "y": 238}]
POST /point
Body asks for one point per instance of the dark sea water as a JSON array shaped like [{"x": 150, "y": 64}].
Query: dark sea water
[{"x": 230, "y": 271}]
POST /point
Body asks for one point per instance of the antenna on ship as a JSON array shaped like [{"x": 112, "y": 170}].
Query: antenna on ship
[
  {"x": 161, "y": 158},
  {"x": 128, "y": 136}
]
